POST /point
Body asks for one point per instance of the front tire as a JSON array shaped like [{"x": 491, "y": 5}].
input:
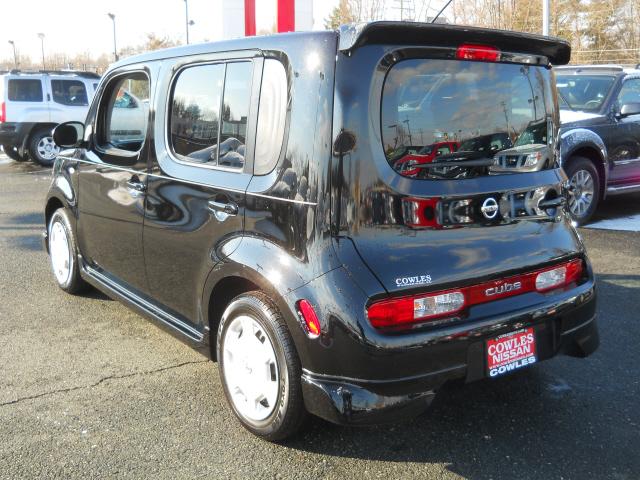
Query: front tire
[
  {"x": 63, "y": 253},
  {"x": 13, "y": 154},
  {"x": 42, "y": 149},
  {"x": 584, "y": 184},
  {"x": 260, "y": 368}
]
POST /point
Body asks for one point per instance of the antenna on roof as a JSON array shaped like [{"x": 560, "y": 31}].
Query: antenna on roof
[{"x": 441, "y": 10}]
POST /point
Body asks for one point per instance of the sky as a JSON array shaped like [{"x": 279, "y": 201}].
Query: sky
[{"x": 79, "y": 26}]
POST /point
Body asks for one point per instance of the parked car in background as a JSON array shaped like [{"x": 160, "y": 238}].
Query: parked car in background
[
  {"x": 407, "y": 165},
  {"x": 33, "y": 103},
  {"x": 254, "y": 211},
  {"x": 599, "y": 133}
]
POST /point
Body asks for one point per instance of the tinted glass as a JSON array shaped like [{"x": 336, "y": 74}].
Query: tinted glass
[
  {"x": 25, "y": 90},
  {"x": 583, "y": 92},
  {"x": 272, "y": 113},
  {"x": 195, "y": 113},
  {"x": 630, "y": 92},
  {"x": 479, "y": 109},
  {"x": 233, "y": 132},
  {"x": 69, "y": 92},
  {"x": 126, "y": 112}
]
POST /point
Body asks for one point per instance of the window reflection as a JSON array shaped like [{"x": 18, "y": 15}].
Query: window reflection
[{"x": 436, "y": 112}]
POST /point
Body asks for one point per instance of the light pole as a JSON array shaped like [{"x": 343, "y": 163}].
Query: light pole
[
  {"x": 115, "y": 49},
  {"x": 41, "y": 37},
  {"x": 186, "y": 18},
  {"x": 15, "y": 56},
  {"x": 545, "y": 17}
]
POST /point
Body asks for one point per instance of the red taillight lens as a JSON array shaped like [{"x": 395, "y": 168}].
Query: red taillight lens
[
  {"x": 3, "y": 113},
  {"x": 559, "y": 276},
  {"x": 420, "y": 308},
  {"x": 310, "y": 318},
  {"x": 484, "y": 53}
]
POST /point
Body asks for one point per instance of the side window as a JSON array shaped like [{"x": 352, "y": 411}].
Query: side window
[
  {"x": 630, "y": 92},
  {"x": 195, "y": 113},
  {"x": 443, "y": 150},
  {"x": 235, "y": 110},
  {"x": 69, "y": 92},
  {"x": 272, "y": 113},
  {"x": 124, "y": 112},
  {"x": 25, "y": 90}
]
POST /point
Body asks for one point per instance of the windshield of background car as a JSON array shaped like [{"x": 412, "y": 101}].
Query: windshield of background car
[
  {"x": 583, "y": 92},
  {"x": 479, "y": 108}
]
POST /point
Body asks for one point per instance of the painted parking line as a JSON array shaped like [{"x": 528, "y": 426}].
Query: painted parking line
[{"x": 630, "y": 223}]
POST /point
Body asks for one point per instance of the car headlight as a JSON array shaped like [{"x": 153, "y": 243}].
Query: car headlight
[{"x": 532, "y": 159}]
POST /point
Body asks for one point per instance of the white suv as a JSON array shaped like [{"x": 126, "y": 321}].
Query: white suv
[{"x": 33, "y": 103}]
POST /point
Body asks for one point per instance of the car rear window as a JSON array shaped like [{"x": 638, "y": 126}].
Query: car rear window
[
  {"x": 463, "y": 113},
  {"x": 24, "y": 90}
]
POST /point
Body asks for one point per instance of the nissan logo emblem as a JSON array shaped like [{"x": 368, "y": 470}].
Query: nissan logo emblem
[{"x": 489, "y": 208}]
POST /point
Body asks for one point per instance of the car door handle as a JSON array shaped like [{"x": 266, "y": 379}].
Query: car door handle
[
  {"x": 230, "y": 208},
  {"x": 136, "y": 185}
]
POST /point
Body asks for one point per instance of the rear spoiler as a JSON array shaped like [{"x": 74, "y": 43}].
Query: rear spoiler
[{"x": 352, "y": 36}]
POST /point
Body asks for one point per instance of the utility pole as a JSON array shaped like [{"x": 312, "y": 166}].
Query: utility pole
[
  {"x": 15, "y": 56},
  {"x": 115, "y": 49},
  {"x": 545, "y": 17},
  {"x": 186, "y": 18},
  {"x": 41, "y": 37}
]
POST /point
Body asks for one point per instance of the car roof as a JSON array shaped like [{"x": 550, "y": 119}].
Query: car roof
[
  {"x": 352, "y": 36},
  {"x": 52, "y": 73}
]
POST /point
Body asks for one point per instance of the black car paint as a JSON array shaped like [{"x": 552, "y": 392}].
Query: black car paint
[
  {"x": 612, "y": 142},
  {"x": 304, "y": 230}
]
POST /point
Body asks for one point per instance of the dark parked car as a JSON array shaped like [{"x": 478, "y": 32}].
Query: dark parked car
[
  {"x": 599, "y": 133},
  {"x": 322, "y": 280}
]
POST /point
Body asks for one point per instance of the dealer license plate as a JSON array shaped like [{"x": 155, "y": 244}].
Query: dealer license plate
[{"x": 511, "y": 351}]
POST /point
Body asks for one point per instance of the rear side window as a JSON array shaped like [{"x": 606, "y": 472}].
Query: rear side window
[
  {"x": 24, "y": 90},
  {"x": 124, "y": 112},
  {"x": 69, "y": 92},
  {"x": 478, "y": 117},
  {"x": 209, "y": 110},
  {"x": 272, "y": 112}
]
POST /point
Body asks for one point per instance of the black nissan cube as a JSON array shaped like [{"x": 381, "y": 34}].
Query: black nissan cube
[{"x": 244, "y": 196}]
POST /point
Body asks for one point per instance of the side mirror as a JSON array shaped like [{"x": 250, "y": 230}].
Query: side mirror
[
  {"x": 630, "y": 109},
  {"x": 68, "y": 134}
]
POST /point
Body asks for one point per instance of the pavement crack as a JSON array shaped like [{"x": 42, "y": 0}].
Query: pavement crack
[{"x": 102, "y": 380}]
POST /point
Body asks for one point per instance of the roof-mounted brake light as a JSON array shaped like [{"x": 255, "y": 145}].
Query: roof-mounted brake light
[{"x": 483, "y": 53}]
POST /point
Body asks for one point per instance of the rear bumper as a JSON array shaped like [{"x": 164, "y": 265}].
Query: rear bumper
[
  {"x": 15, "y": 134},
  {"x": 356, "y": 401}
]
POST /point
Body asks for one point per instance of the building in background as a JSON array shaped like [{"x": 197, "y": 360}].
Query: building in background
[{"x": 251, "y": 17}]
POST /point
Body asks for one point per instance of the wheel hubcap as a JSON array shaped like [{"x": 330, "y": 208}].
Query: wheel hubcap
[
  {"x": 60, "y": 252},
  {"x": 582, "y": 190},
  {"x": 47, "y": 149},
  {"x": 250, "y": 369}
]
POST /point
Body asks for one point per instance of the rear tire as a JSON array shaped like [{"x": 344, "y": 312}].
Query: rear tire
[
  {"x": 63, "y": 253},
  {"x": 584, "y": 183},
  {"x": 42, "y": 150},
  {"x": 259, "y": 367},
  {"x": 13, "y": 154}
]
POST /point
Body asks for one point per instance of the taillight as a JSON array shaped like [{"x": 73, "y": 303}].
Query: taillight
[
  {"x": 437, "y": 305},
  {"x": 3, "y": 113},
  {"x": 559, "y": 276},
  {"x": 483, "y": 53},
  {"x": 308, "y": 314}
]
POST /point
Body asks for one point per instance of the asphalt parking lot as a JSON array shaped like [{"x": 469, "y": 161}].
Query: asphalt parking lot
[{"x": 89, "y": 389}]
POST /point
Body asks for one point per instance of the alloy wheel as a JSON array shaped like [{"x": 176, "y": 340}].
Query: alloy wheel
[
  {"x": 47, "y": 149},
  {"x": 250, "y": 368},
  {"x": 582, "y": 191}
]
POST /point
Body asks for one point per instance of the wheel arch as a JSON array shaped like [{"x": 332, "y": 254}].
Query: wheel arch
[
  {"x": 36, "y": 127},
  {"x": 585, "y": 143},
  {"x": 255, "y": 265}
]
